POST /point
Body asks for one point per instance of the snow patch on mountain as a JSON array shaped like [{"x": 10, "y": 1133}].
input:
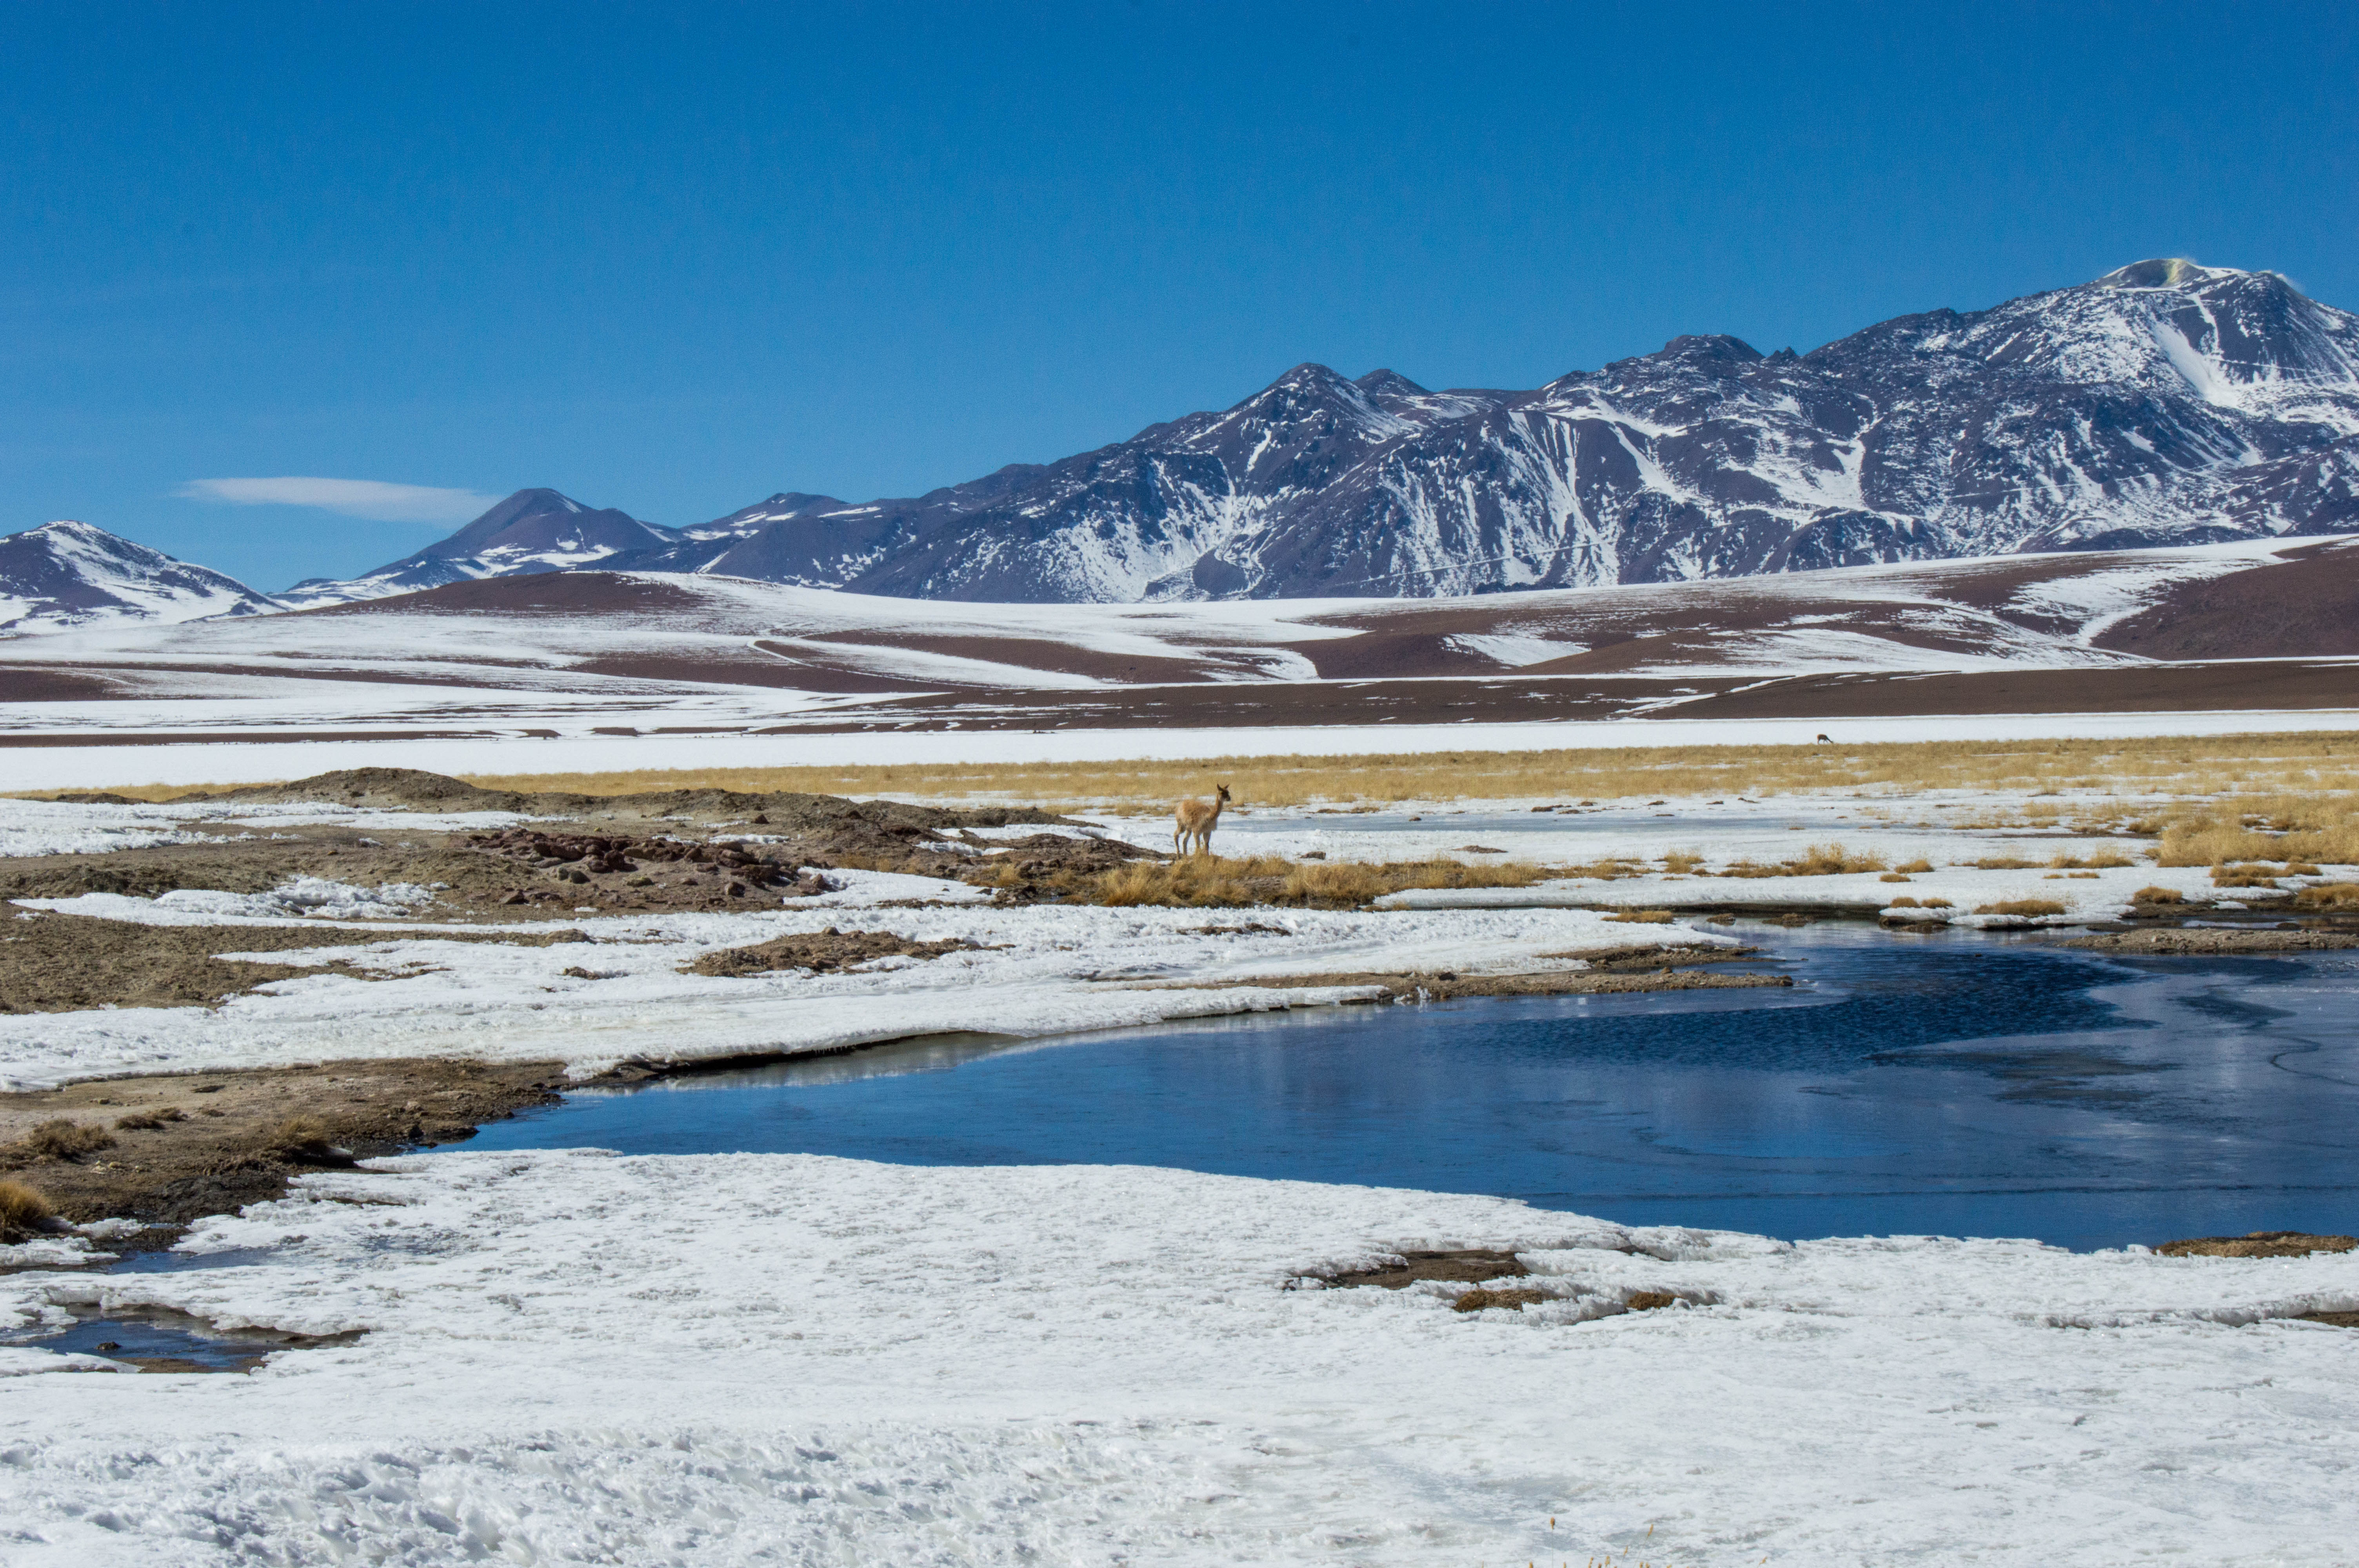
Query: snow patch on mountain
[{"x": 64, "y": 576}]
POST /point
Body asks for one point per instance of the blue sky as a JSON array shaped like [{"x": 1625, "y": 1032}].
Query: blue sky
[{"x": 675, "y": 257}]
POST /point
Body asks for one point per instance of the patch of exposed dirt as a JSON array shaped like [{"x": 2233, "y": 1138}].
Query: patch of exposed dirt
[
  {"x": 1444, "y": 985},
  {"x": 186, "y": 1145},
  {"x": 820, "y": 950},
  {"x": 2332, "y": 1319},
  {"x": 66, "y": 963},
  {"x": 1470, "y": 1266},
  {"x": 2258, "y": 1244},
  {"x": 2213, "y": 939},
  {"x": 1049, "y": 865}
]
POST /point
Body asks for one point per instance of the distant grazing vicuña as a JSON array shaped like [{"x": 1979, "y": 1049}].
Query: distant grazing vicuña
[{"x": 1197, "y": 819}]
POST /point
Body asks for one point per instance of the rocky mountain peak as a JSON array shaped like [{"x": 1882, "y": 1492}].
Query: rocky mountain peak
[{"x": 65, "y": 575}]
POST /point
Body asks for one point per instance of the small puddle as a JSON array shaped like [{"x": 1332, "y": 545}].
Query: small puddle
[{"x": 156, "y": 1339}]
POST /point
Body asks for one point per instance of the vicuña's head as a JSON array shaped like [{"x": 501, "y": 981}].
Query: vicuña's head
[{"x": 1223, "y": 790}]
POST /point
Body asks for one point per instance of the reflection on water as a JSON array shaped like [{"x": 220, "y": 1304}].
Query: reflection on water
[{"x": 1958, "y": 1083}]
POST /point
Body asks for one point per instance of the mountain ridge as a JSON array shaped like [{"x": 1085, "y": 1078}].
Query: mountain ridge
[{"x": 2165, "y": 403}]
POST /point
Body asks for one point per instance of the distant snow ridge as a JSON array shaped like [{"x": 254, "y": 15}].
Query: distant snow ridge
[
  {"x": 65, "y": 575},
  {"x": 2164, "y": 404}
]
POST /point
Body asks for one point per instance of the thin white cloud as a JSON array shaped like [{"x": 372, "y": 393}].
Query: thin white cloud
[{"x": 369, "y": 498}]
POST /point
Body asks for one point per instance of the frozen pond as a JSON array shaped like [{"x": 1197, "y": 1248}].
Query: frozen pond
[{"x": 1958, "y": 1083}]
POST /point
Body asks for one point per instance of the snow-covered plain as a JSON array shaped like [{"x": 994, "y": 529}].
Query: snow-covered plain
[
  {"x": 577, "y": 1358},
  {"x": 1036, "y": 971},
  {"x": 572, "y": 749}
]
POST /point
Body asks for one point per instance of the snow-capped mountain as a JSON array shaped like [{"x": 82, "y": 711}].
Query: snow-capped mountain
[
  {"x": 62, "y": 575},
  {"x": 531, "y": 531},
  {"x": 2165, "y": 403}
]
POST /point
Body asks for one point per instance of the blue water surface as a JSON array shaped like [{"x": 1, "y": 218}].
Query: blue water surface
[{"x": 1959, "y": 1084}]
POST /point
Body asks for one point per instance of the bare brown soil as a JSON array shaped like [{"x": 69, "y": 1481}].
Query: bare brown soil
[
  {"x": 216, "y": 1141},
  {"x": 2258, "y": 1244},
  {"x": 32, "y": 683},
  {"x": 1470, "y": 1266},
  {"x": 66, "y": 963},
  {"x": 822, "y": 951},
  {"x": 2306, "y": 605},
  {"x": 2211, "y": 939}
]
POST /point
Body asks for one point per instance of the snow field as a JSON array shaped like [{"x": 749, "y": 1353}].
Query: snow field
[
  {"x": 574, "y": 1356},
  {"x": 576, "y": 749},
  {"x": 1038, "y": 970},
  {"x": 62, "y": 828}
]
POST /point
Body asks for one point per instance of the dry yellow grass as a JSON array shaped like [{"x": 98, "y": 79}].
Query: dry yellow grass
[
  {"x": 1914, "y": 903},
  {"x": 63, "y": 1137},
  {"x": 2309, "y": 767},
  {"x": 1818, "y": 861},
  {"x": 2156, "y": 895},
  {"x": 2313, "y": 830},
  {"x": 2021, "y": 906},
  {"x": 2331, "y": 895},
  {"x": 1642, "y": 916},
  {"x": 2247, "y": 875},
  {"x": 23, "y": 1211},
  {"x": 1209, "y": 880}
]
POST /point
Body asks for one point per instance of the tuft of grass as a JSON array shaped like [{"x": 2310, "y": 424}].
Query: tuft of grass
[
  {"x": 1642, "y": 916},
  {"x": 1682, "y": 862},
  {"x": 61, "y": 1138},
  {"x": 2329, "y": 895},
  {"x": 1818, "y": 861},
  {"x": 1913, "y": 867},
  {"x": 1211, "y": 881},
  {"x": 297, "y": 1138},
  {"x": 1903, "y": 903},
  {"x": 1478, "y": 1299},
  {"x": 147, "y": 1120},
  {"x": 2021, "y": 906},
  {"x": 1892, "y": 877},
  {"x": 2250, "y": 874},
  {"x": 2000, "y": 863},
  {"x": 23, "y": 1211}
]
